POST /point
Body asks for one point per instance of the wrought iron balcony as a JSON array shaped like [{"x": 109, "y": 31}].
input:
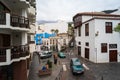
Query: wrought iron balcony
[
  {"x": 17, "y": 21},
  {"x": 2, "y": 18},
  {"x": 13, "y": 53},
  {"x": 13, "y": 20},
  {"x": 19, "y": 51},
  {"x": 3, "y": 54}
]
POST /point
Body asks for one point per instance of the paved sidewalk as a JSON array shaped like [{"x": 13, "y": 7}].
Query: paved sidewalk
[{"x": 35, "y": 66}]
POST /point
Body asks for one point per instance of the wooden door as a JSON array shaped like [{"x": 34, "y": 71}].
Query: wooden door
[
  {"x": 113, "y": 55},
  {"x": 5, "y": 40},
  {"x": 79, "y": 50},
  {"x": 87, "y": 53}
]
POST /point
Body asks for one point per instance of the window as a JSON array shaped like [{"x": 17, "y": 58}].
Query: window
[
  {"x": 79, "y": 31},
  {"x": 86, "y": 44},
  {"x": 112, "y": 46},
  {"x": 50, "y": 41},
  {"x": 103, "y": 47},
  {"x": 64, "y": 41},
  {"x": 108, "y": 26},
  {"x": 79, "y": 50},
  {"x": 53, "y": 42},
  {"x": 87, "y": 29},
  {"x": 79, "y": 43}
]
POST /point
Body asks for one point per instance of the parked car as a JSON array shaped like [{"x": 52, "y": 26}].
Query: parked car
[
  {"x": 76, "y": 66},
  {"x": 45, "y": 54},
  {"x": 61, "y": 55}
]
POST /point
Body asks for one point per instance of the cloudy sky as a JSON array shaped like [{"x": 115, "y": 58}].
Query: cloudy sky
[{"x": 52, "y": 10}]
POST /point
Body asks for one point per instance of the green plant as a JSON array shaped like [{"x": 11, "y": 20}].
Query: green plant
[
  {"x": 117, "y": 28},
  {"x": 49, "y": 63}
]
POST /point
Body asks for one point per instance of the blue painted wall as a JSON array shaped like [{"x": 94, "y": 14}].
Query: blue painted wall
[{"x": 38, "y": 37}]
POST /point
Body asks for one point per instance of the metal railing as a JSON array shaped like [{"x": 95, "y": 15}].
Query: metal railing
[
  {"x": 18, "y": 21},
  {"x": 16, "y": 52},
  {"x": 19, "y": 51},
  {"x": 2, "y": 18},
  {"x": 2, "y": 54},
  {"x": 15, "y": 20}
]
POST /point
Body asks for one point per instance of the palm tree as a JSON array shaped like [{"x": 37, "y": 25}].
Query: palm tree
[
  {"x": 52, "y": 30},
  {"x": 117, "y": 28},
  {"x": 56, "y": 31}
]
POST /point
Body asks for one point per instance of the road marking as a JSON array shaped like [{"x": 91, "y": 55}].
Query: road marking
[
  {"x": 64, "y": 68},
  {"x": 85, "y": 67}
]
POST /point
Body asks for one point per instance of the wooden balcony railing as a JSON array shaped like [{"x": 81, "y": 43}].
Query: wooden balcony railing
[
  {"x": 2, "y": 18},
  {"x": 19, "y": 51},
  {"x": 2, "y": 54},
  {"x": 18, "y": 21}
]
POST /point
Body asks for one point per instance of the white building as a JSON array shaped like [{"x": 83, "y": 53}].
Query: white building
[
  {"x": 95, "y": 38},
  {"x": 55, "y": 43},
  {"x": 16, "y": 30},
  {"x": 62, "y": 26}
]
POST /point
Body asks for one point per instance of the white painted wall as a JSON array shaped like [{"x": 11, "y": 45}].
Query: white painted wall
[
  {"x": 85, "y": 18},
  {"x": 90, "y": 39},
  {"x": 106, "y": 38},
  {"x": 24, "y": 38},
  {"x": 95, "y": 26}
]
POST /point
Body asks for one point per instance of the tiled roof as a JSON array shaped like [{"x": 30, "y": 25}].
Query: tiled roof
[{"x": 96, "y": 14}]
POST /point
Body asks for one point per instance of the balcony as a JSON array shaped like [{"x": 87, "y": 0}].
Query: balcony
[
  {"x": 77, "y": 24},
  {"x": 13, "y": 54},
  {"x": 21, "y": 22},
  {"x": 13, "y": 22},
  {"x": 3, "y": 54},
  {"x": 2, "y": 18}
]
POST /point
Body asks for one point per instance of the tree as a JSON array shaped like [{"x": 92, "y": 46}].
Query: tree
[
  {"x": 56, "y": 31},
  {"x": 52, "y": 30},
  {"x": 70, "y": 29},
  {"x": 117, "y": 28}
]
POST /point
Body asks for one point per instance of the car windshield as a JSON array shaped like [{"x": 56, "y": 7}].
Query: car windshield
[
  {"x": 61, "y": 53},
  {"x": 78, "y": 66},
  {"x": 44, "y": 53},
  {"x": 49, "y": 52}
]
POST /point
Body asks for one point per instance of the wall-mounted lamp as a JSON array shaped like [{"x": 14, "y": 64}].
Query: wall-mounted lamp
[{"x": 96, "y": 34}]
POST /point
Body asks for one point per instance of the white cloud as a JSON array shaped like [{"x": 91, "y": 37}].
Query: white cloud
[{"x": 66, "y": 9}]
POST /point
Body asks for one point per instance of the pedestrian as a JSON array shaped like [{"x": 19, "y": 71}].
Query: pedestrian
[{"x": 55, "y": 59}]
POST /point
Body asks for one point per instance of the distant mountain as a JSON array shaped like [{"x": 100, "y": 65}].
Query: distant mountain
[{"x": 44, "y": 21}]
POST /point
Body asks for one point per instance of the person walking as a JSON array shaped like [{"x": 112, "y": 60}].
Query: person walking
[{"x": 55, "y": 59}]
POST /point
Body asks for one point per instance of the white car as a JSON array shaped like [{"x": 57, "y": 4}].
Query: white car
[{"x": 45, "y": 54}]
